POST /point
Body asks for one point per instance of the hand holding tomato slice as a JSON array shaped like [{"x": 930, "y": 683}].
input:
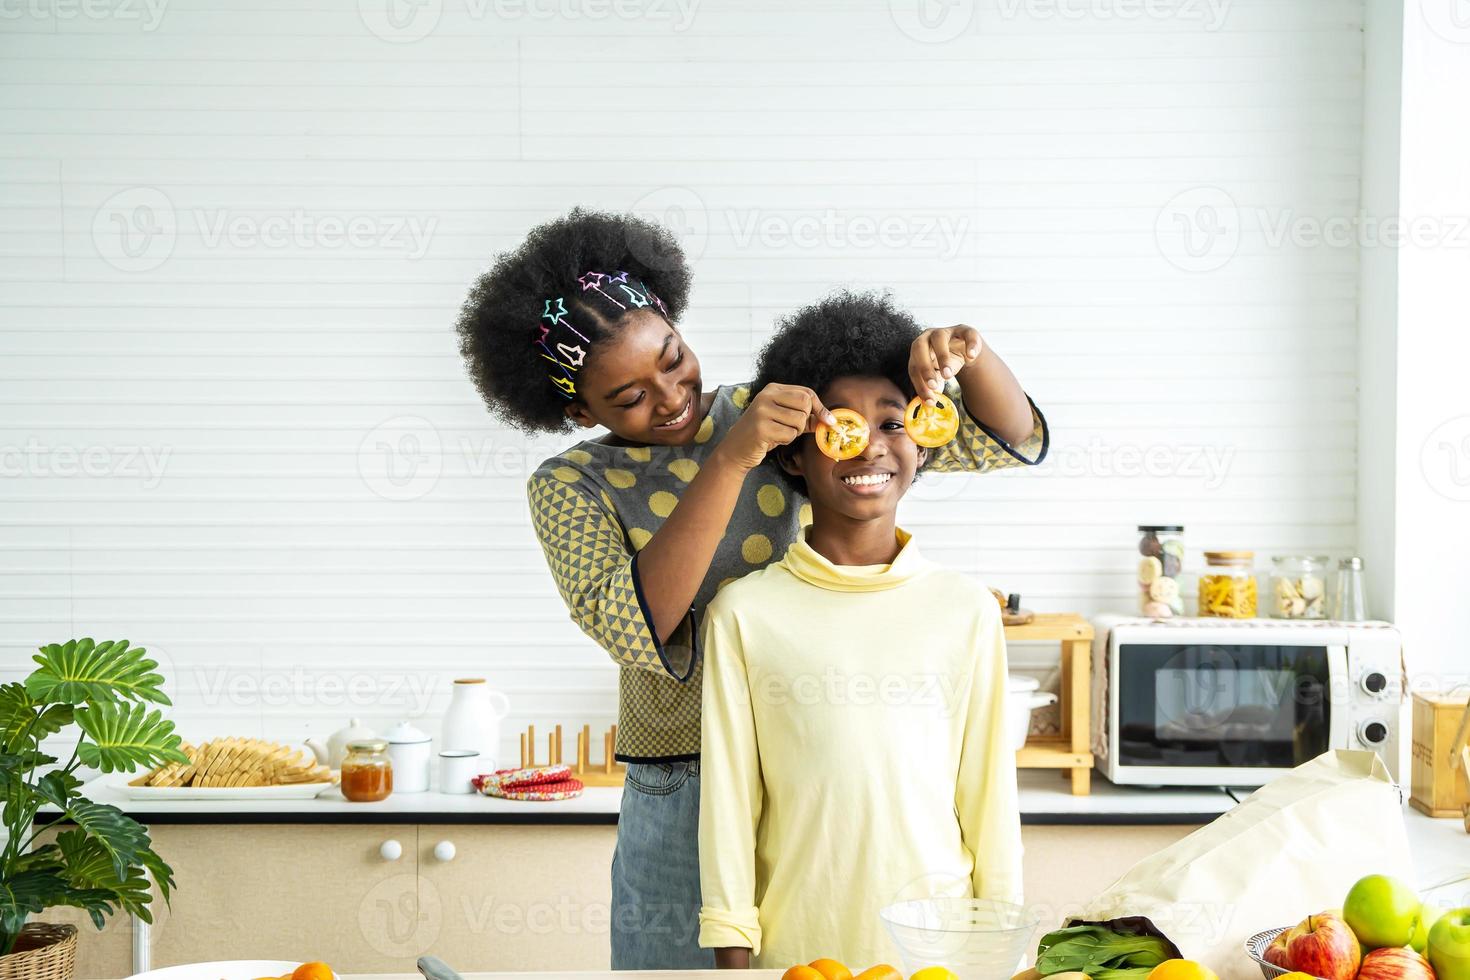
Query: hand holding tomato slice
[
  {"x": 939, "y": 354},
  {"x": 845, "y": 439},
  {"x": 931, "y": 426}
]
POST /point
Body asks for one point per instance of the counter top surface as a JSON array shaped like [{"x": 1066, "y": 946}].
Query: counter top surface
[
  {"x": 1044, "y": 797},
  {"x": 597, "y": 804},
  {"x": 1440, "y": 846}
]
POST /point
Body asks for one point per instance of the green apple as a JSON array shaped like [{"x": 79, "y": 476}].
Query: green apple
[
  {"x": 1449, "y": 945},
  {"x": 1428, "y": 916},
  {"x": 1382, "y": 911}
]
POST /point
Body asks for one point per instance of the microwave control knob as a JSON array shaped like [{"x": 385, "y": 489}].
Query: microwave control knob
[
  {"x": 1373, "y": 733},
  {"x": 1374, "y": 682}
]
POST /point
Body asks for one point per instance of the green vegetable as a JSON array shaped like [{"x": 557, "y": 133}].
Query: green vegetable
[{"x": 1101, "y": 953}]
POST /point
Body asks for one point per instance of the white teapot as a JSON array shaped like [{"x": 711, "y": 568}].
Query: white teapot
[{"x": 332, "y": 753}]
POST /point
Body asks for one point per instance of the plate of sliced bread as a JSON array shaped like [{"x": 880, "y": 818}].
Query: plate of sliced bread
[{"x": 235, "y": 768}]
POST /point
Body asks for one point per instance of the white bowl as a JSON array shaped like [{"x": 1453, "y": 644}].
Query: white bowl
[
  {"x": 1021, "y": 698},
  {"x": 975, "y": 938},
  {"x": 221, "y": 970}
]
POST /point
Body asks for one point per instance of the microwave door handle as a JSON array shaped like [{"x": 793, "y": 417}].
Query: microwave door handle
[{"x": 1339, "y": 699}]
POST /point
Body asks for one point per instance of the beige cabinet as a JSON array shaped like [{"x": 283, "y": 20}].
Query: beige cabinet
[
  {"x": 517, "y": 897},
  {"x": 482, "y": 897},
  {"x": 291, "y": 892}
]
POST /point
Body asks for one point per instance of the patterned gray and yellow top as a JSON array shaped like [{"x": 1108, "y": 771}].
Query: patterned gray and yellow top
[{"x": 596, "y": 504}]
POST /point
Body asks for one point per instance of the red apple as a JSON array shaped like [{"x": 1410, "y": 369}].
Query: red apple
[
  {"x": 1275, "y": 953},
  {"x": 1395, "y": 963},
  {"x": 1325, "y": 947}
]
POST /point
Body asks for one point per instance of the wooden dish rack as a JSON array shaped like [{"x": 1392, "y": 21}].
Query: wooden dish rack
[{"x": 609, "y": 772}]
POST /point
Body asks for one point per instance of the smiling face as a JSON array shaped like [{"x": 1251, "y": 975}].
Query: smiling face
[
  {"x": 870, "y": 485},
  {"x": 643, "y": 383}
]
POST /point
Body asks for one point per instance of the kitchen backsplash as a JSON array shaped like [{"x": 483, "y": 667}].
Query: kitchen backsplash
[{"x": 258, "y": 454}]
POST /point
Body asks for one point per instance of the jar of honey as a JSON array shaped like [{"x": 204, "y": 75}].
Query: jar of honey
[{"x": 367, "y": 772}]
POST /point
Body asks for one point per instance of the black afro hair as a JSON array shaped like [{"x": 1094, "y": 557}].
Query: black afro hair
[
  {"x": 843, "y": 335},
  {"x": 505, "y": 304}
]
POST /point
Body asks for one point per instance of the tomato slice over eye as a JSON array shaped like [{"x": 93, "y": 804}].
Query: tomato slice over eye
[
  {"x": 847, "y": 438},
  {"x": 931, "y": 427}
]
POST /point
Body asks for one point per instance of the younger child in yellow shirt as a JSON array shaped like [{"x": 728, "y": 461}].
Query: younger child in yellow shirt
[{"x": 854, "y": 750}]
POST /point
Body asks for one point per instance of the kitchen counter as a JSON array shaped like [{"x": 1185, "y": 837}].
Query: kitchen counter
[
  {"x": 596, "y": 805},
  {"x": 541, "y": 860},
  {"x": 1044, "y": 795},
  {"x": 1440, "y": 846}
]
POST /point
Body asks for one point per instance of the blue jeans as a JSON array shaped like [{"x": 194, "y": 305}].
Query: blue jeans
[{"x": 655, "y": 871}]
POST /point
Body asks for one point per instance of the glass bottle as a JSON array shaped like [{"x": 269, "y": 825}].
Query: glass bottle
[{"x": 1350, "y": 604}]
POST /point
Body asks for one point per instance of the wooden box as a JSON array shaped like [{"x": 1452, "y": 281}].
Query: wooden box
[{"x": 1437, "y": 786}]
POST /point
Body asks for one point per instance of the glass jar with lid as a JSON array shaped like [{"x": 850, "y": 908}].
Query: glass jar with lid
[
  {"x": 1298, "y": 586},
  {"x": 1161, "y": 550},
  {"x": 1227, "y": 586},
  {"x": 367, "y": 772}
]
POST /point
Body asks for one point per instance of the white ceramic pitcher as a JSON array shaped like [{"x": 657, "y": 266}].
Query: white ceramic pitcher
[{"x": 473, "y": 720}]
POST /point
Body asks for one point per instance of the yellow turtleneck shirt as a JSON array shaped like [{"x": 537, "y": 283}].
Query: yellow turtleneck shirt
[{"x": 854, "y": 754}]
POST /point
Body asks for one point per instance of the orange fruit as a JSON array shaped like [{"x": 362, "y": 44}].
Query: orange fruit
[
  {"x": 1181, "y": 970},
  {"x": 802, "y": 973},
  {"x": 880, "y": 972},
  {"x": 315, "y": 970},
  {"x": 831, "y": 969}
]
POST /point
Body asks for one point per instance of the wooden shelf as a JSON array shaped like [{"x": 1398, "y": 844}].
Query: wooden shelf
[
  {"x": 1052, "y": 626},
  {"x": 1068, "y": 751}
]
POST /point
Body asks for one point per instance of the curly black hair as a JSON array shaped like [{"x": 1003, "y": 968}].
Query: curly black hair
[
  {"x": 505, "y": 304},
  {"x": 845, "y": 334}
]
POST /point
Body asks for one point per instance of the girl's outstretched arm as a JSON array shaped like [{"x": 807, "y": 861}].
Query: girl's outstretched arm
[{"x": 992, "y": 394}]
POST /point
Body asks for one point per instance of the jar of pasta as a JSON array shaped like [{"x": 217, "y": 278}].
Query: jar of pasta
[
  {"x": 1227, "y": 586},
  {"x": 1298, "y": 587},
  {"x": 1161, "y": 547}
]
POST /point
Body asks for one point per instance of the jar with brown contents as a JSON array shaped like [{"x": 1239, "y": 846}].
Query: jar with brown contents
[
  {"x": 1227, "y": 588},
  {"x": 367, "y": 772}
]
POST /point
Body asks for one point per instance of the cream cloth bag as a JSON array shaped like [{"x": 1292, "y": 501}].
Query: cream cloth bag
[{"x": 1292, "y": 849}]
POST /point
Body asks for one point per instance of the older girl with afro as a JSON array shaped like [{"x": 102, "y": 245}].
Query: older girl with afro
[{"x": 579, "y": 328}]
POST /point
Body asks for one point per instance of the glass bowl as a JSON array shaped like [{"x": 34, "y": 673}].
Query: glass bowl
[{"x": 976, "y": 939}]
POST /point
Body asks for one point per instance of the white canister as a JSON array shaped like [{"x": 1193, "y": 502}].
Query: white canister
[
  {"x": 473, "y": 720},
  {"x": 408, "y": 747},
  {"x": 456, "y": 768}
]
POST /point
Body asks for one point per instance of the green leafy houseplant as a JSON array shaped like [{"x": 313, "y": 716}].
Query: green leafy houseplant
[{"x": 102, "y": 860}]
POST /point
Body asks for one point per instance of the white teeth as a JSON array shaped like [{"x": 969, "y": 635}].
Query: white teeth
[
  {"x": 680, "y": 420},
  {"x": 867, "y": 479}
]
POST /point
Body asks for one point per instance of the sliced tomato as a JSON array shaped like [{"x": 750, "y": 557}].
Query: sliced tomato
[
  {"x": 931, "y": 427},
  {"x": 847, "y": 438}
]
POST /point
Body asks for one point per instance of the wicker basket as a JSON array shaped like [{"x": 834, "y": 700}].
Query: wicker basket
[{"x": 47, "y": 951}]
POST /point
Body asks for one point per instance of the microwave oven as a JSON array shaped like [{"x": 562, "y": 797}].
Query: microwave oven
[{"x": 1218, "y": 702}]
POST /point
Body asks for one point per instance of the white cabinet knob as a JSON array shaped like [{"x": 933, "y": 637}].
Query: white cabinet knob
[
  {"x": 391, "y": 850},
  {"x": 444, "y": 850}
]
